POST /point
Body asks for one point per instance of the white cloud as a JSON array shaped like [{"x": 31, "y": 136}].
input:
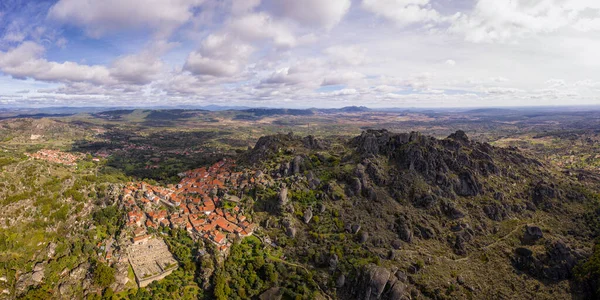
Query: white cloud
[
  {"x": 587, "y": 24},
  {"x": 101, "y": 17},
  {"x": 261, "y": 26},
  {"x": 509, "y": 21},
  {"x": 556, "y": 82},
  {"x": 450, "y": 62},
  {"x": 300, "y": 74},
  {"x": 312, "y": 12},
  {"x": 285, "y": 76},
  {"x": 201, "y": 65},
  {"x": 347, "y": 55},
  {"x": 503, "y": 91},
  {"x": 284, "y": 51},
  {"x": 136, "y": 69},
  {"x": 220, "y": 55},
  {"x": 342, "y": 92},
  {"x": 403, "y": 12},
  {"x": 337, "y": 78},
  {"x": 24, "y": 62}
]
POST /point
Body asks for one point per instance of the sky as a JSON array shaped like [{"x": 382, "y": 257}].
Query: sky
[{"x": 299, "y": 53}]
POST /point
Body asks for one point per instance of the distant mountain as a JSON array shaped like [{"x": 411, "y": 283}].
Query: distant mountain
[
  {"x": 492, "y": 111},
  {"x": 279, "y": 111},
  {"x": 221, "y": 108},
  {"x": 347, "y": 109}
]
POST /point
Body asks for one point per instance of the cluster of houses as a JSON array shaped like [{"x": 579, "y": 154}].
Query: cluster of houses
[
  {"x": 56, "y": 156},
  {"x": 200, "y": 204}
]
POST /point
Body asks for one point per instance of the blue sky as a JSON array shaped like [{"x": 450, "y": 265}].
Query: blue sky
[{"x": 299, "y": 53}]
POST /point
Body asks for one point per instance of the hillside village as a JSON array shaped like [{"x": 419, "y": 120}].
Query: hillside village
[
  {"x": 56, "y": 156},
  {"x": 202, "y": 203},
  {"x": 199, "y": 204}
]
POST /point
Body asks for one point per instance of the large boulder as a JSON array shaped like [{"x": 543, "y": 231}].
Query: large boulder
[
  {"x": 310, "y": 142},
  {"x": 404, "y": 229},
  {"x": 374, "y": 282},
  {"x": 543, "y": 194},
  {"x": 468, "y": 185},
  {"x": 274, "y": 293},
  {"x": 283, "y": 196},
  {"x": 308, "y": 214},
  {"x": 532, "y": 234},
  {"x": 297, "y": 165}
]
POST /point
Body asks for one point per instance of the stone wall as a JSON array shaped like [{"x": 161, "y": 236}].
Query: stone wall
[{"x": 150, "y": 261}]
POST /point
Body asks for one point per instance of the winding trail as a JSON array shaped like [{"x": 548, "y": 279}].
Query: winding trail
[{"x": 421, "y": 251}]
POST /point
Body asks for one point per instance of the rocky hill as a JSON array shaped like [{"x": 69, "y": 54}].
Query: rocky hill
[{"x": 402, "y": 215}]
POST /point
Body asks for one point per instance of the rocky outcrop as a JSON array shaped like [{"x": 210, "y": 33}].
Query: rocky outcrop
[
  {"x": 30, "y": 279},
  {"x": 297, "y": 165},
  {"x": 274, "y": 293},
  {"x": 283, "y": 197},
  {"x": 495, "y": 211},
  {"x": 308, "y": 214},
  {"x": 468, "y": 185},
  {"x": 404, "y": 229},
  {"x": 374, "y": 282},
  {"x": 555, "y": 264},
  {"x": 310, "y": 142},
  {"x": 268, "y": 146},
  {"x": 532, "y": 234},
  {"x": 543, "y": 194}
]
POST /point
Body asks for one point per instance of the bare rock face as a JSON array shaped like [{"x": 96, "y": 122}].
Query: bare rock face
[
  {"x": 404, "y": 229},
  {"x": 543, "y": 194},
  {"x": 399, "y": 291},
  {"x": 313, "y": 181},
  {"x": 333, "y": 261},
  {"x": 121, "y": 277},
  {"x": 291, "y": 232},
  {"x": 290, "y": 229},
  {"x": 79, "y": 272},
  {"x": 283, "y": 196},
  {"x": 363, "y": 237},
  {"x": 495, "y": 211},
  {"x": 268, "y": 146},
  {"x": 460, "y": 136},
  {"x": 374, "y": 282},
  {"x": 51, "y": 249},
  {"x": 313, "y": 143},
  {"x": 451, "y": 210},
  {"x": 308, "y": 214},
  {"x": 64, "y": 289},
  {"x": 467, "y": 185},
  {"x": 27, "y": 280},
  {"x": 37, "y": 276},
  {"x": 274, "y": 293}
]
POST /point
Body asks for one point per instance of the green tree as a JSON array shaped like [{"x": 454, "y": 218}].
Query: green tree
[{"x": 103, "y": 275}]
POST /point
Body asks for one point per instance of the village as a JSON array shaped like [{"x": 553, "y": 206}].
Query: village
[
  {"x": 56, "y": 156},
  {"x": 193, "y": 205},
  {"x": 200, "y": 204}
]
